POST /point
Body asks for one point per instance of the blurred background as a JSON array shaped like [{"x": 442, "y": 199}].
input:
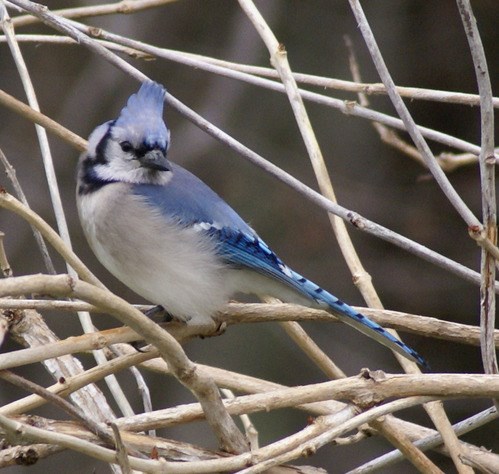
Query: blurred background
[{"x": 423, "y": 44}]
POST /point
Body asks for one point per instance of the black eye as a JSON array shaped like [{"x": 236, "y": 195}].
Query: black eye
[{"x": 126, "y": 146}]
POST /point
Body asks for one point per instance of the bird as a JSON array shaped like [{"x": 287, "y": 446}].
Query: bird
[{"x": 170, "y": 238}]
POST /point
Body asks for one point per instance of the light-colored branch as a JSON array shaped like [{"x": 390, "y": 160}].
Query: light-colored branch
[
  {"x": 413, "y": 93},
  {"x": 352, "y": 217},
  {"x": 322, "y": 432},
  {"x": 412, "y": 431},
  {"x": 5, "y": 267},
  {"x": 461, "y": 428},
  {"x": 184, "y": 370},
  {"x": 9, "y": 202},
  {"x": 121, "y": 7},
  {"x": 250, "y": 384},
  {"x": 71, "y": 384},
  {"x": 224, "y": 378},
  {"x": 48, "y": 163},
  {"x": 488, "y": 188},
  {"x": 80, "y": 415},
  {"x": 346, "y": 107},
  {"x": 23, "y": 433},
  {"x": 404, "y": 114},
  {"x": 435, "y": 410},
  {"x": 34, "y": 116},
  {"x": 29, "y": 329},
  {"x": 234, "y": 313},
  {"x": 249, "y": 428},
  {"x": 402, "y": 442},
  {"x": 312, "y": 350},
  {"x": 179, "y": 452},
  {"x": 12, "y": 175},
  {"x": 363, "y": 391},
  {"x": 451, "y": 161},
  {"x": 121, "y": 451},
  {"x": 137, "y": 48},
  {"x": 169, "y": 449},
  {"x": 278, "y": 59},
  {"x": 386, "y": 134},
  {"x": 26, "y": 455}
]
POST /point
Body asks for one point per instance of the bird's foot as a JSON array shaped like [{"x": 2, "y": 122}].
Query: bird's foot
[
  {"x": 159, "y": 314},
  {"x": 219, "y": 330}
]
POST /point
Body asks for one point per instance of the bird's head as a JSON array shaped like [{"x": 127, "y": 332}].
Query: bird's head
[{"x": 133, "y": 147}]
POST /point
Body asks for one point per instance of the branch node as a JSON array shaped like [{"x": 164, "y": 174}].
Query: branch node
[
  {"x": 490, "y": 160},
  {"x": 356, "y": 220},
  {"x": 349, "y": 106},
  {"x": 477, "y": 233},
  {"x": 95, "y": 32}
]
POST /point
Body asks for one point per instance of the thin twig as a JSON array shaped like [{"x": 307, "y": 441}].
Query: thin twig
[
  {"x": 461, "y": 428},
  {"x": 279, "y": 61},
  {"x": 55, "y": 195},
  {"x": 234, "y": 313},
  {"x": 11, "y": 173},
  {"x": 144, "y": 392},
  {"x": 386, "y": 134},
  {"x": 404, "y": 114},
  {"x": 435, "y": 411},
  {"x": 37, "y": 117},
  {"x": 249, "y": 428},
  {"x": 229, "y": 436},
  {"x": 121, "y": 7},
  {"x": 322, "y": 432},
  {"x": 488, "y": 189},
  {"x": 62, "y": 404},
  {"x": 121, "y": 451},
  {"x": 346, "y": 107},
  {"x": 4, "y": 261},
  {"x": 69, "y": 385},
  {"x": 273, "y": 170},
  {"x": 9, "y": 202}
]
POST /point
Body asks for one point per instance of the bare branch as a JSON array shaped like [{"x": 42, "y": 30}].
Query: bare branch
[
  {"x": 184, "y": 370},
  {"x": 487, "y": 170}
]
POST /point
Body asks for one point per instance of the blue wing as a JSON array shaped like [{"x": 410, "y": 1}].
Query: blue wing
[
  {"x": 250, "y": 251},
  {"x": 191, "y": 202}
]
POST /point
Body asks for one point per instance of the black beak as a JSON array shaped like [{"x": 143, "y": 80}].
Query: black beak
[{"x": 155, "y": 160}]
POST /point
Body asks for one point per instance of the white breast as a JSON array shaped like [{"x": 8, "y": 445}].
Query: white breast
[{"x": 161, "y": 261}]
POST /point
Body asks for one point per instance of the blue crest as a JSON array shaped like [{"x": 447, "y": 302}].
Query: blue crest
[{"x": 142, "y": 117}]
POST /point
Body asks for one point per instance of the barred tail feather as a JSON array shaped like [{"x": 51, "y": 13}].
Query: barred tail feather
[
  {"x": 244, "y": 249},
  {"x": 350, "y": 316}
]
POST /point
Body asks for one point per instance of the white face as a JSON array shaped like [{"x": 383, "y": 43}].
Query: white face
[{"x": 113, "y": 155}]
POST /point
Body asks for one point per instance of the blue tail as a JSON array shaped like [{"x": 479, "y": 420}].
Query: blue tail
[
  {"x": 348, "y": 315},
  {"x": 246, "y": 249}
]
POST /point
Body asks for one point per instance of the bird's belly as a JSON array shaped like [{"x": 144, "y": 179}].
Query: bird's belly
[{"x": 166, "y": 264}]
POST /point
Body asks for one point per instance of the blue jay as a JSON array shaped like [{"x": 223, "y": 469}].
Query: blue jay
[{"x": 170, "y": 238}]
